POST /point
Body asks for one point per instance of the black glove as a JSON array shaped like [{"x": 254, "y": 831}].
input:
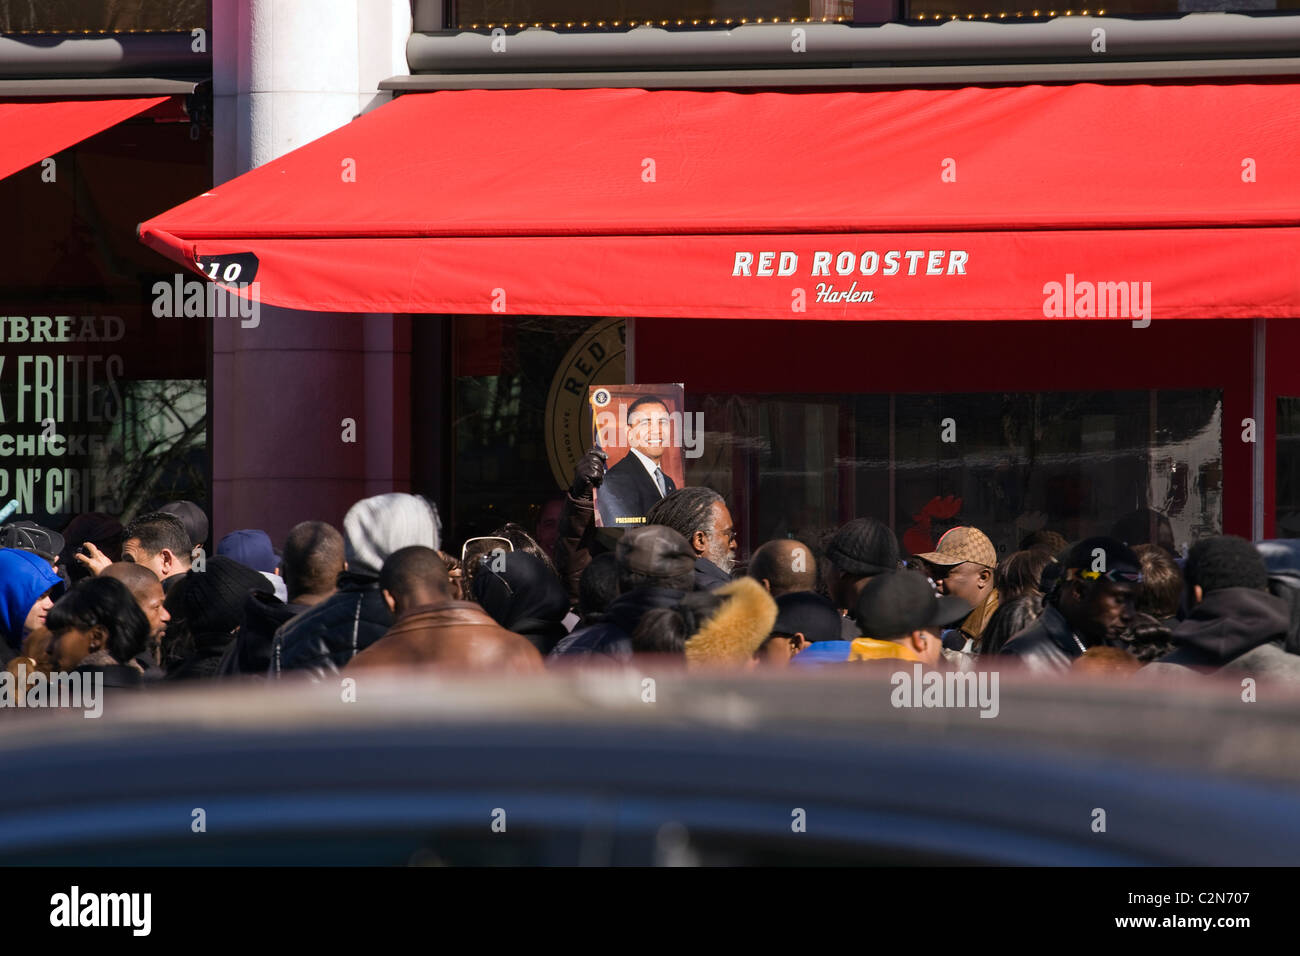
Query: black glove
[{"x": 589, "y": 473}]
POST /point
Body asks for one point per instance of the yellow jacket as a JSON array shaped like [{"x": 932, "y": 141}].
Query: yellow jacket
[{"x": 870, "y": 649}]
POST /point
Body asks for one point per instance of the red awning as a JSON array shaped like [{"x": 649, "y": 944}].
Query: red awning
[
  {"x": 32, "y": 131},
  {"x": 1180, "y": 200}
]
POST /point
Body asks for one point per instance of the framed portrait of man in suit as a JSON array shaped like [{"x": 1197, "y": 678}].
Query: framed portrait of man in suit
[{"x": 640, "y": 428}]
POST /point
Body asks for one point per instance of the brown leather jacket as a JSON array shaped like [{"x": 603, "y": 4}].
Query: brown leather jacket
[{"x": 454, "y": 635}]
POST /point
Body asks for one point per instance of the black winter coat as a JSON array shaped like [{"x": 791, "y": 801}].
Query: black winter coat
[
  {"x": 203, "y": 658},
  {"x": 612, "y": 637},
  {"x": 709, "y": 576},
  {"x": 1228, "y": 623},
  {"x": 1048, "y": 646},
  {"x": 322, "y": 640},
  {"x": 250, "y": 652}
]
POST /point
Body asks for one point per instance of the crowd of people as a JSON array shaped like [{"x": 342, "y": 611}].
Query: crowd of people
[{"x": 144, "y": 603}]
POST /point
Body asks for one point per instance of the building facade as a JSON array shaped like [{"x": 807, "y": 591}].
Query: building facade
[{"x": 926, "y": 410}]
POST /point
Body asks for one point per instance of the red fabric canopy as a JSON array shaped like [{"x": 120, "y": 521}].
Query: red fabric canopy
[
  {"x": 32, "y": 130},
  {"x": 1178, "y": 200}
]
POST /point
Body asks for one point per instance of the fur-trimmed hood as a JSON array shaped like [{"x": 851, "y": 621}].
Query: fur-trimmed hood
[{"x": 736, "y": 630}]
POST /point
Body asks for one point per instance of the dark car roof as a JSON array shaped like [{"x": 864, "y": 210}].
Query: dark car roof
[{"x": 1188, "y": 775}]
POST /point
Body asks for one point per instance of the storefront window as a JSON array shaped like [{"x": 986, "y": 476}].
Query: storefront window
[
  {"x": 103, "y": 395},
  {"x": 102, "y": 16},
  {"x": 1288, "y": 468},
  {"x": 521, "y": 414},
  {"x": 1008, "y": 463},
  {"x": 801, "y": 464},
  {"x": 966, "y": 10},
  {"x": 622, "y": 14},
  {"x": 589, "y": 15},
  {"x": 159, "y": 444}
]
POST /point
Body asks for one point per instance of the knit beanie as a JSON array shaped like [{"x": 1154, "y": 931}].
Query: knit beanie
[
  {"x": 211, "y": 601},
  {"x": 376, "y": 527},
  {"x": 864, "y": 546}
]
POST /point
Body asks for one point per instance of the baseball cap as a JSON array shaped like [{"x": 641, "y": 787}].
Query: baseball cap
[
  {"x": 809, "y": 614},
  {"x": 251, "y": 548},
  {"x": 962, "y": 544},
  {"x": 192, "y": 516},
  {"x": 1102, "y": 557},
  {"x": 654, "y": 550},
  {"x": 901, "y": 602},
  {"x": 29, "y": 536}
]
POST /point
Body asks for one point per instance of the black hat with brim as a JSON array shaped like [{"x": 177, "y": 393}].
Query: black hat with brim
[{"x": 899, "y": 602}]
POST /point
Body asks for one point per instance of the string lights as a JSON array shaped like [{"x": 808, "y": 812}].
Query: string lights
[
  {"x": 730, "y": 21},
  {"x": 602, "y": 24}
]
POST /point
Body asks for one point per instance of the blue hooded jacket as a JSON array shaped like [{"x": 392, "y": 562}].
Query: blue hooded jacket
[{"x": 24, "y": 577}]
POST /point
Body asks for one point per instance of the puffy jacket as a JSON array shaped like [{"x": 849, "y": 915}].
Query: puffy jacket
[
  {"x": 612, "y": 637},
  {"x": 322, "y": 640}
]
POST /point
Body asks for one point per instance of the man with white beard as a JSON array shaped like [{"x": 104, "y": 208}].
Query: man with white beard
[{"x": 701, "y": 517}]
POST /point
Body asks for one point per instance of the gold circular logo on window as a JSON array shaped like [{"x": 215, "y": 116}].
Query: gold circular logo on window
[{"x": 597, "y": 358}]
